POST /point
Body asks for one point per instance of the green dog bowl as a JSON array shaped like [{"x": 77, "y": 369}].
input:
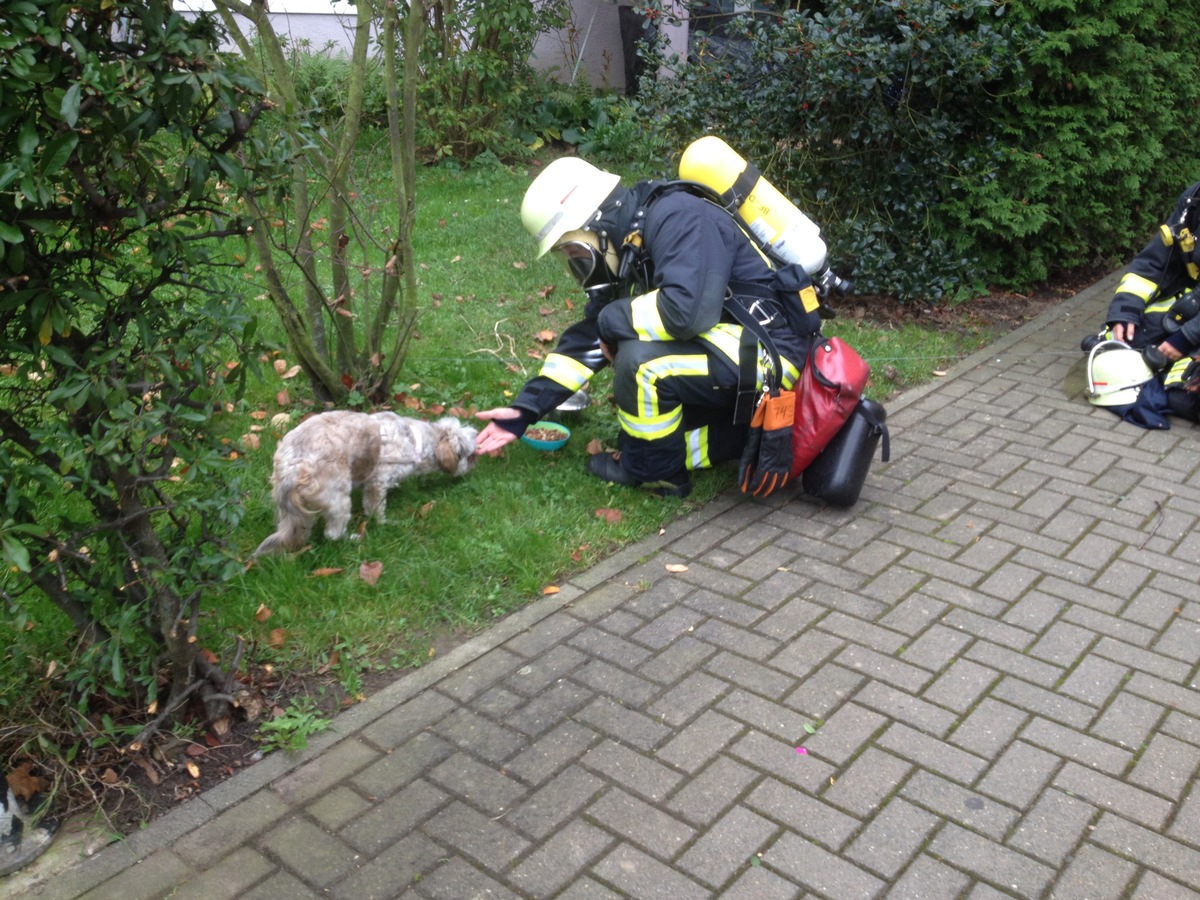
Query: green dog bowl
[{"x": 546, "y": 435}]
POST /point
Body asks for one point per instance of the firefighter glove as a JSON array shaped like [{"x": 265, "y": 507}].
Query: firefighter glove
[{"x": 766, "y": 464}]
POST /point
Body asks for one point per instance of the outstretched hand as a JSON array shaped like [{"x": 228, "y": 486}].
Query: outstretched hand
[{"x": 495, "y": 437}]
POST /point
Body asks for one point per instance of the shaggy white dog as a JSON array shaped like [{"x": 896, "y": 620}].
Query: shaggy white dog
[{"x": 320, "y": 461}]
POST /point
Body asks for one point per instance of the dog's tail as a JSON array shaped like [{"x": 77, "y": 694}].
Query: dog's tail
[{"x": 293, "y": 521}]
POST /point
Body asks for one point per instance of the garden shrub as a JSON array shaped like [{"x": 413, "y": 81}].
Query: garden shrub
[
  {"x": 1097, "y": 143},
  {"x": 943, "y": 146}
]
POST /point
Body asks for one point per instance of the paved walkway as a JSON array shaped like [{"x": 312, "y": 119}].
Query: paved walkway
[{"x": 982, "y": 681}]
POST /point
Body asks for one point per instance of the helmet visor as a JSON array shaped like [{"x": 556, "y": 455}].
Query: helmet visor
[{"x": 583, "y": 260}]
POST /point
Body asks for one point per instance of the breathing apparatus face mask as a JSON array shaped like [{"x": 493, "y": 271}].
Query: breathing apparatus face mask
[{"x": 589, "y": 258}]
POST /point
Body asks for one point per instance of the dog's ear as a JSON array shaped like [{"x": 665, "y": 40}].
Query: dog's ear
[{"x": 447, "y": 453}]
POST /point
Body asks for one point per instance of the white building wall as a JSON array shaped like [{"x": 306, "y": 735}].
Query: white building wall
[{"x": 591, "y": 52}]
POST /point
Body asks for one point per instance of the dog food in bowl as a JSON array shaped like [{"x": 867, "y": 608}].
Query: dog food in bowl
[{"x": 546, "y": 435}]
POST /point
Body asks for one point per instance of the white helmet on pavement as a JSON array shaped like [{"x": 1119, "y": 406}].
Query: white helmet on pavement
[
  {"x": 1115, "y": 374},
  {"x": 562, "y": 198}
]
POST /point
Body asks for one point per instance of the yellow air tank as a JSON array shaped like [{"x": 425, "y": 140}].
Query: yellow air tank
[{"x": 772, "y": 218}]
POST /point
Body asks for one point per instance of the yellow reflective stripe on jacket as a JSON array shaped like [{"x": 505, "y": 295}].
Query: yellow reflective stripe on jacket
[
  {"x": 651, "y": 428},
  {"x": 696, "y": 442},
  {"x": 648, "y": 374},
  {"x": 726, "y": 339},
  {"x": 568, "y": 372},
  {"x": 1142, "y": 288},
  {"x": 644, "y": 317},
  {"x": 1175, "y": 373}
]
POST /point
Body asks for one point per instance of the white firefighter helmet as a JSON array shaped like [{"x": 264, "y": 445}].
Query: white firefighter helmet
[
  {"x": 1115, "y": 374},
  {"x": 562, "y": 198}
]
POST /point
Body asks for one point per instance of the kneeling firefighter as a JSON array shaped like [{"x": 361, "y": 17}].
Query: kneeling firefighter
[
  {"x": 679, "y": 296},
  {"x": 1156, "y": 310}
]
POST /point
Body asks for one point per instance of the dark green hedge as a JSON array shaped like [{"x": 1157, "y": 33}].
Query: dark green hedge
[{"x": 946, "y": 146}]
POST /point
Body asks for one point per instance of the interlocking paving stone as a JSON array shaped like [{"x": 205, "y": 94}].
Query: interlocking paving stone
[
  {"x": 844, "y": 733},
  {"x": 395, "y": 816},
  {"x": 1019, "y": 775},
  {"x": 931, "y": 753},
  {"x": 757, "y": 883},
  {"x": 457, "y": 879},
  {"x": 561, "y": 859},
  {"x": 635, "y": 874},
  {"x": 393, "y": 770},
  {"x": 389, "y": 873},
  {"x": 1070, "y": 744},
  {"x": 961, "y": 685},
  {"x": 694, "y": 746},
  {"x": 1094, "y": 680},
  {"x": 714, "y": 790},
  {"x": 481, "y": 785},
  {"x": 929, "y": 879},
  {"x": 1161, "y": 854},
  {"x": 1151, "y": 885},
  {"x": 1095, "y": 873},
  {"x": 316, "y": 856},
  {"x": 803, "y": 813},
  {"x": 870, "y": 779},
  {"x": 1110, "y": 793},
  {"x": 1053, "y": 827},
  {"x": 488, "y": 840},
  {"x": 904, "y": 707},
  {"x": 960, "y": 804},
  {"x": 1128, "y": 721},
  {"x": 656, "y": 832},
  {"x": 555, "y": 802},
  {"x": 635, "y": 771},
  {"x": 813, "y": 866},
  {"x": 825, "y": 690},
  {"x": 892, "y": 838},
  {"x": 1167, "y": 767},
  {"x": 552, "y": 752},
  {"x": 727, "y": 847},
  {"x": 994, "y": 864}
]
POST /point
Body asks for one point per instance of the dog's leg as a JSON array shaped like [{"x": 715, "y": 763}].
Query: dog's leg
[
  {"x": 375, "y": 499},
  {"x": 337, "y": 515}
]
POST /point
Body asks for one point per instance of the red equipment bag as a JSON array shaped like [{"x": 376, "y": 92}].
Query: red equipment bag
[{"x": 826, "y": 394}]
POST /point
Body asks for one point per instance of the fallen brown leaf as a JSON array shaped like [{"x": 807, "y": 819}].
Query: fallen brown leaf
[
  {"x": 327, "y": 570},
  {"x": 676, "y": 567},
  {"x": 24, "y": 783},
  {"x": 370, "y": 571},
  {"x": 609, "y": 515},
  {"x": 149, "y": 769}
]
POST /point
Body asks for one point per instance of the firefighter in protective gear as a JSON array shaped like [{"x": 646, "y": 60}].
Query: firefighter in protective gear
[
  {"x": 1155, "y": 305},
  {"x": 659, "y": 267}
]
